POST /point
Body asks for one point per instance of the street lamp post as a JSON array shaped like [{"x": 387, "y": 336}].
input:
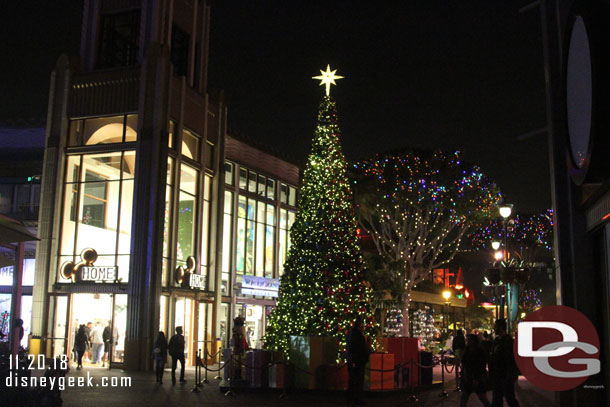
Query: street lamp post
[
  {"x": 505, "y": 212},
  {"x": 446, "y": 296}
]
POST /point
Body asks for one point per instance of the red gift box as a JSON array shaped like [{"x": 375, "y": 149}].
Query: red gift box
[
  {"x": 406, "y": 355},
  {"x": 336, "y": 377},
  {"x": 382, "y": 371}
]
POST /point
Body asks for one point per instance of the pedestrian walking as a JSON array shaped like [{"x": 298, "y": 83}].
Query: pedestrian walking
[
  {"x": 502, "y": 367},
  {"x": 486, "y": 345},
  {"x": 97, "y": 343},
  {"x": 358, "y": 351},
  {"x": 474, "y": 372},
  {"x": 107, "y": 337},
  {"x": 160, "y": 356},
  {"x": 81, "y": 343},
  {"x": 458, "y": 345},
  {"x": 176, "y": 350}
]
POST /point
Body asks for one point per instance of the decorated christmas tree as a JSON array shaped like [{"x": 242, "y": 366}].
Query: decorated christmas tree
[
  {"x": 423, "y": 325},
  {"x": 322, "y": 289},
  {"x": 393, "y": 322}
]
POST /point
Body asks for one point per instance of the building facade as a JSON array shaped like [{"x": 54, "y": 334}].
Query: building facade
[
  {"x": 144, "y": 225},
  {"x": 576, "y": 38},
  {"x": 21, "y": 151}
]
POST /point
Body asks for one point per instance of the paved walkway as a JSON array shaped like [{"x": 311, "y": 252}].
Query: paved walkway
[{"x": 144, "y": 392}]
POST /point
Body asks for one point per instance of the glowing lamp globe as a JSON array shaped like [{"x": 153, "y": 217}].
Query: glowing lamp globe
[
  {"x": 446, "y": 295},
  {"x": 495, "y": 245},
  {"x": 506, "y": 210},
  {"x": 498, "y": 255}
]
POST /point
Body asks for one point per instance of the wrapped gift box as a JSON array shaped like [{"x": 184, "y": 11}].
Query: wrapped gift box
[
  {"x": 405, "y": 351},
  {"x": 381, "y": 371},
  {"x": 276, "y": 375},
  {"x": 307, "y": 354},
  {"x": 257, "y": 371},
  {"x": 332, "y": 377}
]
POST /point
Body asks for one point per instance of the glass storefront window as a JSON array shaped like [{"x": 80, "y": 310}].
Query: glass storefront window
[
  {"x": 228, "y": 173},
  {"x": 227, "y": 232},
  {"x": 190, "y": 144},
  {"x": 187, "y": 207},
  {"x": 223, "y": 335},
  {"x": 270, "y": 188},
  {"x": 283, "y": 193},
  {"x": 286, "y": 220},
  {"x": 163, "y": 315},
  {"x": 103, "y": 130},
  {"x": 251, "y": 181},
  {"x": 262, "y": 183},
  {"x": 172, "y": 134},
  {"x": 205, "y": 230},
  {"x": 241, "y": 235},
  {"x": 243, "y": 178},
  {"x": 167, "y": 220},
  {"x": 292, "y": 196},
  {"x": 97, "y": 210}
]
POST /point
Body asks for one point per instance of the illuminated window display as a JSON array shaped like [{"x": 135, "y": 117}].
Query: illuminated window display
[
  {"x": 287, "y": 217},
  {"x": 98, "y": 199},
  {"x": 103, "y": 130},
  {"x": 205, "y": 232},
  {"x": 227, "y": 226},
  {"x": 262, "y": 228},
  {"x": 187, "y": 206}
]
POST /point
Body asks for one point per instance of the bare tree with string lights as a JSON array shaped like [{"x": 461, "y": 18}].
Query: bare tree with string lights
[{"x": 417, "y": 207}]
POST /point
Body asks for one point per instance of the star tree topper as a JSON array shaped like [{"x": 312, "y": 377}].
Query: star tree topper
[{"x": 327, "y": 78}]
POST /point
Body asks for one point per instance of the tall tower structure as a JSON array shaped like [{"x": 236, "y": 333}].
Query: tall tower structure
[{"x": 133, "y": 150}]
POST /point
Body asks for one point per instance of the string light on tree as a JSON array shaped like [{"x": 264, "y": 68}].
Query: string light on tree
[{"x": 417, "y": 207}]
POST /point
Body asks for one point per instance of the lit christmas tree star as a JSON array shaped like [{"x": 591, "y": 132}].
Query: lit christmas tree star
[{"x": 327, "y": 78}]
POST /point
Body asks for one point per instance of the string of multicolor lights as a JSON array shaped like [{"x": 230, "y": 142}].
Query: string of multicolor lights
[
  {"x": 526, "y": 231},
  {"x": 417, "y": 206}
]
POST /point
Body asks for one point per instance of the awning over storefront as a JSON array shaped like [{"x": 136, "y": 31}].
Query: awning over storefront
[{"x": 13, "y": 231}]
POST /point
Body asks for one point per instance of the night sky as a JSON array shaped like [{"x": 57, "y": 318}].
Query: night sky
[{"x": 433, "y": 74}]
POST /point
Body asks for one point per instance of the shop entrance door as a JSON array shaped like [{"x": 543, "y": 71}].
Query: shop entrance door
[
  {"x": 101, "y": 312},
  {"x": 59, "y": 339}
]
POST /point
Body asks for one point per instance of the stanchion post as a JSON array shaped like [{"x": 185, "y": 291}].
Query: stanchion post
[
  {"x": 196, "y": 386},
  {"x": 230, "y": 391},
  {"x": 205, "y": 364},
  {"x": 443, "y": 392},
  {"x": 457, "y": 375},
  {"x": 218, "y": 352},
  {"x": 412, "y": 397}
]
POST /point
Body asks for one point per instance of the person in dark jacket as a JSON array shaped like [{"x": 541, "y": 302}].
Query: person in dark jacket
[
  {"x": 160, "y": 356},
  {"x": 502, "y": 367},
  {"x": 474, "y": 372},
  {"x": 107, "y": 337},
  {"x": 458, "y": 346},
  {"x": 81, "y": 342},
  {"x": 358, "y": 352},
  {"x": 176, "y": 350},
  {"x": 486, "y": 344}
]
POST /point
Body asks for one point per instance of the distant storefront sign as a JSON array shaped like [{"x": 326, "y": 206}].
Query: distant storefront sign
[{"x": 266, "y": 287}]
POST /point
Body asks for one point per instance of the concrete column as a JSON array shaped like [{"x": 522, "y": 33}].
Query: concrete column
[
  {"x": 144, "y": 286},
  {"x": 50, "y": 195}
]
